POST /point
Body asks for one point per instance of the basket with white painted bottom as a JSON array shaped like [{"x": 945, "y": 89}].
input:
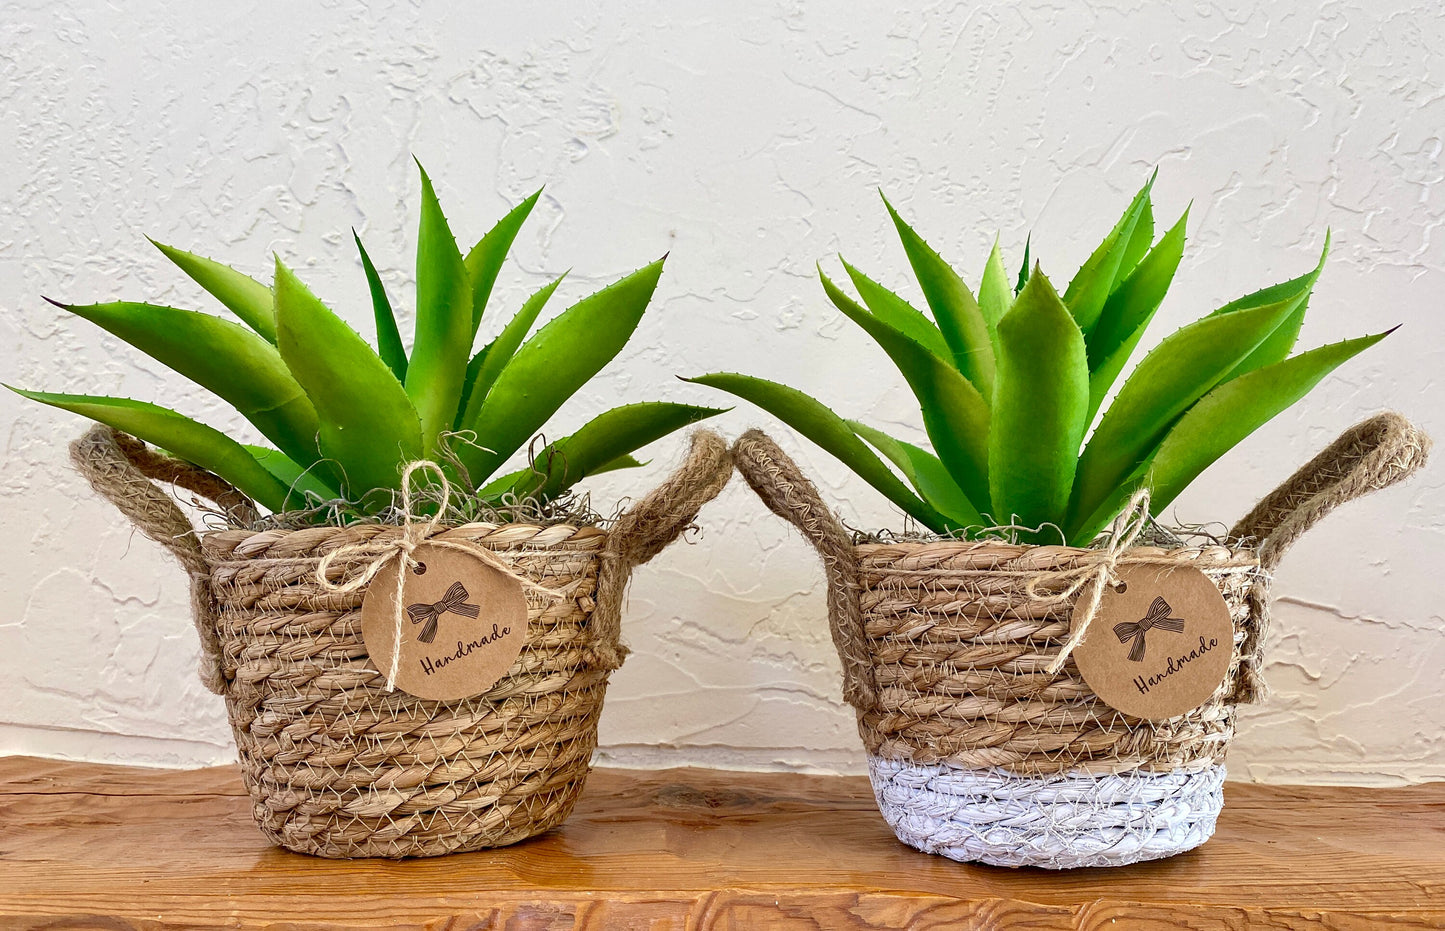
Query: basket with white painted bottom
[{"x": 976, "y": 750}]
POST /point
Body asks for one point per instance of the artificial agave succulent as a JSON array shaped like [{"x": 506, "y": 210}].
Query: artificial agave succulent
[
  {"x": 345, "y": 418},
  {"x": 1010, "y": 380}
]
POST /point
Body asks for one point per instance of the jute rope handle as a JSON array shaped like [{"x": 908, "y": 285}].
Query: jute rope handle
[
  {"x": 123, "y": 471},
  {"x": 1373, "y": 454},
  {"x": 646, "y": 528},
  {"x": 787, "y": 492}
]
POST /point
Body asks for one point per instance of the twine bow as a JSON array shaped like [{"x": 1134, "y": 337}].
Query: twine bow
[
  {"x": 1088, "y": 580},
  {"x": 1157, "y": 616},
  {"x": 413, "y": 534},
  {"x": 455, "y": 601}
]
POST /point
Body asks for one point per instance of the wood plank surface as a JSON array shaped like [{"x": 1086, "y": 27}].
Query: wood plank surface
[{"x": 91, "y": 846}]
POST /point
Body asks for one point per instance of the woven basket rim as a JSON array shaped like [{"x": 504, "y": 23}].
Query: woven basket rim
[
  {"x": 586, "y": 529},
  {"x": 1218, "y": 555},
  {"x": 236, "y": 545}
]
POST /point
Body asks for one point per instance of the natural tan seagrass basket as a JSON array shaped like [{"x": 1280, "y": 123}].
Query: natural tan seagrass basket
[
  {"x": 976, "y": 751},
  {"x": 336, "y": 765}
]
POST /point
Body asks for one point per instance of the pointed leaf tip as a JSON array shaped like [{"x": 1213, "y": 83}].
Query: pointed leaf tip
[
  {"x": 955, "y": 308},
  {"x": 244, "y": 296},
  {"x": 553, "y": 365},
  {"x": 823, "y": 426},
  {"x": 444, "y": 322}
]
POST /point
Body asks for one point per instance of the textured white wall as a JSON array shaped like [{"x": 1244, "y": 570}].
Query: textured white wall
[{"x": 747, "y": 138}]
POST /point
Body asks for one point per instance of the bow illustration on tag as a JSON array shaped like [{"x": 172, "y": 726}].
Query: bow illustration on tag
[
  {"x": 1157, "y": 616},
  {"x": 455, "y": 601}
]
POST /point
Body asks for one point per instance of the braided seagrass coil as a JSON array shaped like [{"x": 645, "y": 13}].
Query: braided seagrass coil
[
  {"x": 334, "y": 763},
  {"x": 974, "y": 714},
  {"x": 337, "y": 766}
]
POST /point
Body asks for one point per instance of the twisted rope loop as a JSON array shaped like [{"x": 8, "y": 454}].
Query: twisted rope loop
[
  {"x": 413, "y": 534},
  {"x": 646, "y": 528}
]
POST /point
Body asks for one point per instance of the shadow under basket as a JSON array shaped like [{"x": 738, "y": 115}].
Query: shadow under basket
[
  {"x": 975, "y": 750},
  {"x": 335, "y": 764}
]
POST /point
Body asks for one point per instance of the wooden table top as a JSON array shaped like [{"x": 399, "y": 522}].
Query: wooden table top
[{"x": 96, "y": 846}]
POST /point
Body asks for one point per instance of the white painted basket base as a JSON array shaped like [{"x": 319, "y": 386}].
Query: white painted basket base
[{"x": 1057, "y": 822}]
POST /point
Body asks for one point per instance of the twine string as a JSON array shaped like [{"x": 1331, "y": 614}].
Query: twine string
[
  {"x": 1089, "y": 579},
  {"x": 413, "y": 534}
]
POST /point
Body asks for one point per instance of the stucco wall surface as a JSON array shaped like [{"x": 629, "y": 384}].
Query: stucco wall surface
[{"x": 746, "y": 139}]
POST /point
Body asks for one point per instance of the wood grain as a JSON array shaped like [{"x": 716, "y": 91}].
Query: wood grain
[{"x": 89, "y": 846}]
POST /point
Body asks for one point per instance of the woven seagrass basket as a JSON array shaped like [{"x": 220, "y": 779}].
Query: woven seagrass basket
[
  {"x": 975, "y": 750},
  {"x": 334, "y": 763}
]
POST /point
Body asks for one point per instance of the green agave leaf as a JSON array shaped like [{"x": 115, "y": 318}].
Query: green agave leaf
[
  {"x": 551, "y": 366},
  {"x": 953, "y": 305},
  {"x": 485, "y": 259},
  {"x": 388, "y": 338},
  {"x": 368, "y": 425},
  {"x": 898, "y": 313},
  {"x": 1139, "y": 242},
  {"x": 244, "y": 296},
  {"x": 1219, "y": 422},
  {"x": 1133, "y": 303},
  {"x": 1113, "y": 503},
  {"x": 995, "y": 296},
  {"x": 1179, "y": 371},
  {"x": 223, "y": 357},
  {"x": 299, "y": 481},
  {"x": 181, "y": 436},
  {"x": 1281, "y": 342},
  {"x": 954, "y": 413},
  {"x": 817, "y": 422},
  {"x": 1129, "y": 310},
  {"x": 621, "y": 462},
  {"x": 444, "y": 331},
  {"x": 602, "y": 440},
  {"x": 1025, "y": 266},
  {"x": 1278, "y": 345},
  {"x": 1235, "y": 409},
  {"x": 1040, "y": 409},
  {"x": 503, "y": 483},
  {"x": 489, "y": 361},
  {"x": 1095, "y": 280},
  {"x": 927, "y": 474},
  {"x": 1285, "y": 290},
  {"x": 499, "y": 486},
  {"x": 474, "y": 368}
]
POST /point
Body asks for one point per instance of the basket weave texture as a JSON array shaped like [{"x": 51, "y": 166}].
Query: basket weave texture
[
  {"x": 336, "y": 764},
  {"x": 960, "y": 637}
]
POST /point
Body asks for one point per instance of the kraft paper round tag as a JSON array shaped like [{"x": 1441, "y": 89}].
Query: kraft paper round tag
[
  {"x": 1160, "y": 643},
  {"x": 463, "y": 623}
]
